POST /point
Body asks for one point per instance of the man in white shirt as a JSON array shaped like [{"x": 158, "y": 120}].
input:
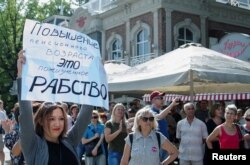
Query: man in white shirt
[
  {"x": 3, "y": 117},
  {"x": 192, "y": 133}
]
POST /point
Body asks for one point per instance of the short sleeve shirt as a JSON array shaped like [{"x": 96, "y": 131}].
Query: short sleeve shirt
[
  {"x": 191, "y": 135},
  {"x": 145, "y": 150},
  {"x": 118, "y": 143},
  {"x": 92, "y": 130},
  {"x": 162, "y": 124}
]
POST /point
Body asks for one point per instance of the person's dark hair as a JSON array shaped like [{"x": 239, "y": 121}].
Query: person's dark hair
[
  {"x": 112, "y": 102},
  {"x": 213, "y": 109},
  {"x": 43, "y": 113},
  {"x": 103, "y": 115},
  {"x": 72, "y": 107},
  {"x": 222, "y": 103},
  {"x": 132, "y": 104},
  {"x": 16, "y": 114},
  {"x": 132, "y": 110},
  {"x": 35, "y": 106}
]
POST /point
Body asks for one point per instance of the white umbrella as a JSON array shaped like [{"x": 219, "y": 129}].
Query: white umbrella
[
  {"x": 112, "y": 68},
  {"x": 188, "y": 69}
]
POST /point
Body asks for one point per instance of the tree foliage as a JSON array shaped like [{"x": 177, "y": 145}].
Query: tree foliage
[{"x": 13, "y": 14}]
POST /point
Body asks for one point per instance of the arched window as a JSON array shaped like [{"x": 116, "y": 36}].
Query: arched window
[
  {"x": 116, "y": 53},
  {"x": 185, "y": 36},
  {"x": 186, "y": 32},
  {"x": 142, "y": 43},
  {"x": 114, "y": 47}
]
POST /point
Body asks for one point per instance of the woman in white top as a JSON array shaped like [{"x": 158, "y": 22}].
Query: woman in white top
[{"x": 145, "y": 149}]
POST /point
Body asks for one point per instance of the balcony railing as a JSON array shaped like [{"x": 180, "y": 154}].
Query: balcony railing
[
  {"x": 238, "y": 3},
  {"x": 119, "y": 61},
  {"x": 100, "y": 6},
  {"x": 135, "y": 60}
]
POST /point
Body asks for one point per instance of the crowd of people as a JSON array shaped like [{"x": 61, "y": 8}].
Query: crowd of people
[
  {"x": 56, "y": 129},
  {"x": 66, "y": 133}
]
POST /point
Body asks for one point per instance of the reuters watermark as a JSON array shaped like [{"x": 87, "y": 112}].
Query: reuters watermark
[{"x": 217, "y": 156}]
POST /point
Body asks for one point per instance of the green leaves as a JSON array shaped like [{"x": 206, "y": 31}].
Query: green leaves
[{"x": 12, "y": 18}]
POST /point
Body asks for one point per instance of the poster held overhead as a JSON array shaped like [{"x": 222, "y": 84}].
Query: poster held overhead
[{"x": 62, "y": 65}]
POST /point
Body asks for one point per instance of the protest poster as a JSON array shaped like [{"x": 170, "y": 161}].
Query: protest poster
[{"x": 62, "y": 65}]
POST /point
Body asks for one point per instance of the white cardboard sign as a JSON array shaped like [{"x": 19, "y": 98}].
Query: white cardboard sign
[{"x": 62, "y": 65}]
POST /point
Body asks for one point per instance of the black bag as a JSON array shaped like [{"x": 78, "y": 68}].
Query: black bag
[
  {"x": 1, "y": 130},
  {"x": 90, "y": 146}
]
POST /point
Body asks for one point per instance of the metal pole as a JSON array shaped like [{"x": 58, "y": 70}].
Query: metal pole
[
  {"x": 191, "y": 85},
  {"x": 61, "y": 8}
]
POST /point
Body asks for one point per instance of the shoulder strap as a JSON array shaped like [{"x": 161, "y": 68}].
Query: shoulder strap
[
  {"x": 157, "y": 135},
  {"x": 131, "y": 139},
  {"x": 158, "y": 139},
  {"x": 131, "y": 143}
]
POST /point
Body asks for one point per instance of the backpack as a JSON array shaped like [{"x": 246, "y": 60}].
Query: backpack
[{"x": 158, "y": 140}]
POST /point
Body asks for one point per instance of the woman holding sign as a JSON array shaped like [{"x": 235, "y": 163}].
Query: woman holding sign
[{"x": 46, "y": 140}]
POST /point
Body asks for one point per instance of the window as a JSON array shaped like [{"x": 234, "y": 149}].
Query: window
[
  {"x": 186, "y": 32},
  {"x": 140, "y": 40},
  {"x": 142, "y": 43},
  {"x": 185, "y": 36},
  {"x": 114, "y": 47},
  {"x": 116, "y": 50}
]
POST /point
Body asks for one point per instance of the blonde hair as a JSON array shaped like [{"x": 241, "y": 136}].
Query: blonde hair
[
  {"x": 95, "y": 112},
  {"x": 231, "y": 107},
  {"x": 247, "y": 113},
  {"x": 142, "y": 112},
  {"x": 114, "y": 110}
]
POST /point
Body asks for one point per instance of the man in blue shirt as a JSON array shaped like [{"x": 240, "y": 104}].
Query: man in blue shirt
[{"x": 157, "y": 100}]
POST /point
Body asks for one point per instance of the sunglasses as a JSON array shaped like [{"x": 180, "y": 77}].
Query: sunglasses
[
  {"x": 247, "y": 119},
  {"x": 94, "y": 117},
  {"x": 159, "y": 97},
  {"x": 145, "y": 119},
  {"x": 52, "y": 105}
]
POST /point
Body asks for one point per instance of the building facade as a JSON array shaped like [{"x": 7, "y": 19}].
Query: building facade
[
  {"x": 133, "y": 32},
  {"x": 136, "y": 31}
]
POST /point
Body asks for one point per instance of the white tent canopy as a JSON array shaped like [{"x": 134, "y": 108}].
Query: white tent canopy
[
  {"x": 112, "y": 68},
  {"x": 190, "y": 68}
]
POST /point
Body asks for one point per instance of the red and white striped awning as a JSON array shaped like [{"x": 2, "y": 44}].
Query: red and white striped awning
[{"x": 204, "y": 96}]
